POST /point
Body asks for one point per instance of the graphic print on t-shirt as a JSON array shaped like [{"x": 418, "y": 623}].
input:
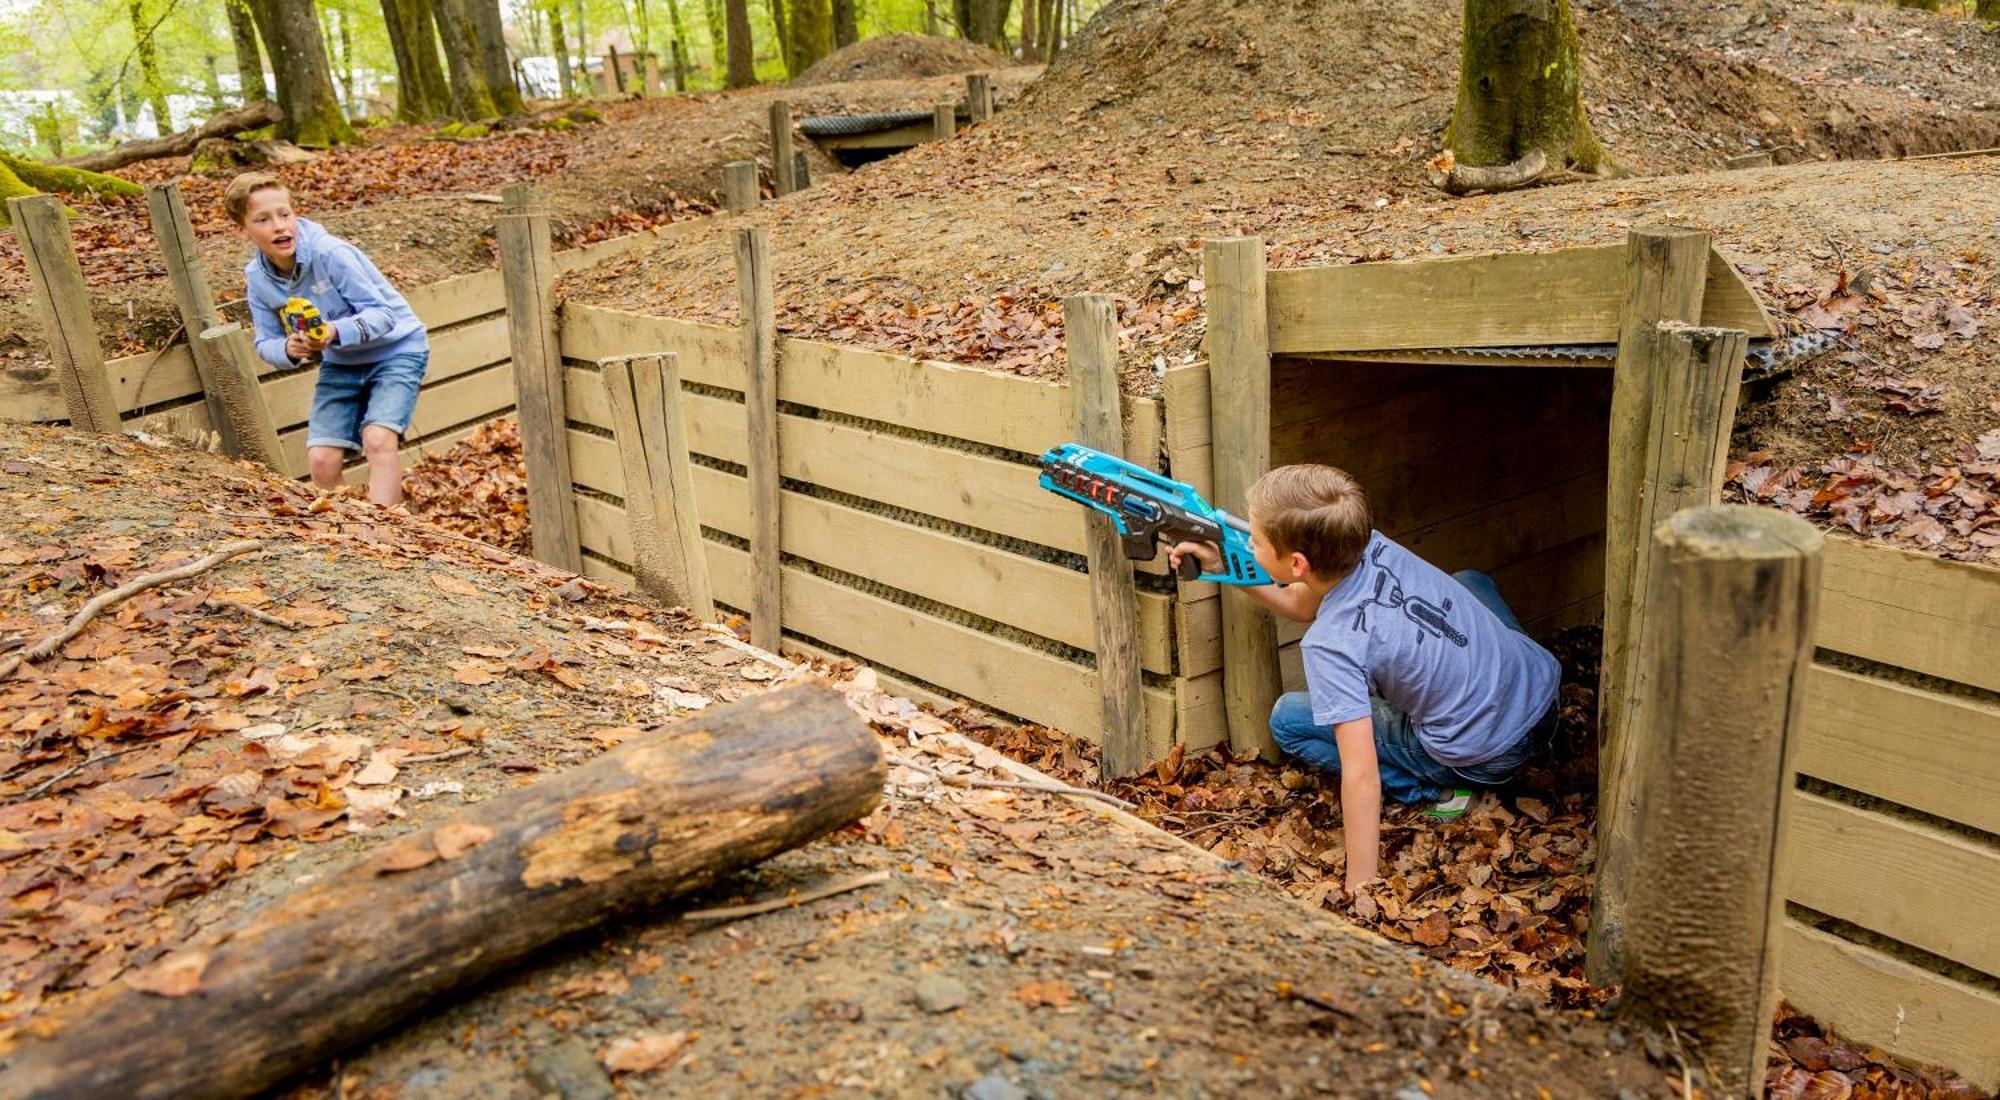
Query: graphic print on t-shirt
[{"x": 1430, "y": 618}]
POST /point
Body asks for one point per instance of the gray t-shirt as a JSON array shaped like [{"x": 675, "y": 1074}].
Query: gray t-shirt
[{"x": 1401, "y": 627}]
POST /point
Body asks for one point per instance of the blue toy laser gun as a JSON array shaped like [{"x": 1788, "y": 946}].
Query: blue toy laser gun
[{"x": 1148, "y": 508}]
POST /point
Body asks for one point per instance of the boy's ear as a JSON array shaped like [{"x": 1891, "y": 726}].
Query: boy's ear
[{"x": 1300, "y": 566}]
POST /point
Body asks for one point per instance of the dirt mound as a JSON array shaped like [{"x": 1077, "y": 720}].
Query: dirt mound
[{"x": 901, "y": 57}]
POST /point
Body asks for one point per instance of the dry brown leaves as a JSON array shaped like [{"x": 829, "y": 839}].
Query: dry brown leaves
[
  {"x": 1808, "y": 1062},
  {"x": 1948, "y": 508},
  {"x": 478, "y": 488}
]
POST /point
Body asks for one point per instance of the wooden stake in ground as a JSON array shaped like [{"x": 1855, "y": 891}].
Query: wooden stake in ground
[
  {"x": 1090, "y": 327},
  {"x": 760, "y": 397},
  {"x": 182, "y": 254},
  {"x": 64, "y": 304},
  {"x": 298, "y": 981},
  {"x": 739, "y": 185},
  {"x": 944, "y": 122},
  {"x": 979, "y": 96},
  {"x": 1239, "y": 386},
  {"x": 1665, "y": 272},
  {"x": 644, "y": 395},
  {"x": 527, "y": 263},
  {"x": 781, "y": 148},
  {"x": 1729, "y": 645},
  {"x": 240, "y": 392}
]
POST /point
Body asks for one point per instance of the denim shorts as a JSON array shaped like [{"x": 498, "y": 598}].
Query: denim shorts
[{"x": 349, "y": 398}]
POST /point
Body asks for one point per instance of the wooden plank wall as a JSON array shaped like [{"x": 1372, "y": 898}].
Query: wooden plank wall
[
  {"x": 1905, "y": 842},
  {"x": 897, "y": 466}
]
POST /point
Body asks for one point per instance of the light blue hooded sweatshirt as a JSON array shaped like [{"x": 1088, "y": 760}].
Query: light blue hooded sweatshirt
[{"x": 372, "y": 321}]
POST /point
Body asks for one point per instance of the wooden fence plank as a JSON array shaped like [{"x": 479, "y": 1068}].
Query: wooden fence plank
[
  {"x": 462, "y": 400},
  {"x": 459, "y": 351},
  {"x": 528, "y": 271},
  {"x": 234, "y": 356},
  {"x": 1926, "y": 887},
  {"x": 1903, "y": 608},
  {"x": 166, "y": 207},
  {"x": 1874, "y": 998},
  {"x": 762, "y": 447},
  {"x": 60, "y": 296},
  {"x": 1570, "y": 296},
  {"x": 668, "y": 560},
  {"x": 459, "y": 298},
  {"x": 1927, "y": 751}
]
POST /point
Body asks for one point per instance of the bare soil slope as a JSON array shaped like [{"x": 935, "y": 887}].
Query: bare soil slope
[{"x": 901, "y": 57}]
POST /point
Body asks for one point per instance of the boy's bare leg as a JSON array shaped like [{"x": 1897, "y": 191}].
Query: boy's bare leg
[
  {"x": 324, "y": 463},
  {"x": 385, "y": 471}
]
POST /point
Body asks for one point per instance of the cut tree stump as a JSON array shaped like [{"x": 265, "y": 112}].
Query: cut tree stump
[{"x": 288, "y": 986}]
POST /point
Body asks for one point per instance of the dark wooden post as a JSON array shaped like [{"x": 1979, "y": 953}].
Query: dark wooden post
[
  {"x": 1090, "y": 327},
  {"x": 644, "y": 395},
  {"x": 801, "y": 170},
  {"x": 245, "y": 416},
  {"x": 64, "y": 303},
  {"x": 1729, "y": 642},
  {"x": 1665, "y": 272},
  {"x": 944, "y": 122},
  {"x": 182, "y": 253},
  {"x": 739, "y": 185},
  {"x": 781, "y": 148},
  {"x": 613, "y": 76},
  {"x": 979, "y": 96},
  {"x": 760, "y": 397},
  {"x": 527, "y": 263},
  {"x": 1239, "y": 385}
]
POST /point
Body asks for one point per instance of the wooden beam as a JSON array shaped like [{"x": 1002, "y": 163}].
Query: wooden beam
[
  {"x": 739, "y": 185},
  {"x": 944, "y": 121},
  {"x": 760, "y": 399},
  {"x": 64, "y": 303},
  {"x": 234, "y": 356},
  {"x": 1730, "y": 642},
  {"x": 979, "y": 96},
  {"x": 181, "y": 252},
  {"x": 1664, "y": 276},
  {"x": 1908, "y": 609},
  {"x": 1571, "y": 296},
  {"x": 1922, "y": 749},
  {"x": 781, "y": 149},
  {"x": 1090, "y": 327},
  {"x": 527, "y": 264},
  {"x": 644, "y": 394},
  {"x": 1239, "y": 386}
]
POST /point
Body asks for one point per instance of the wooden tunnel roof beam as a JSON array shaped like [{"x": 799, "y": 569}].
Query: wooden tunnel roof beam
[{"x": 1572, "y": 296}]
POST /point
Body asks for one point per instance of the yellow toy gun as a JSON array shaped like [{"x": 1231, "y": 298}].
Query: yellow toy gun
[{"x": 300, "y": 315}]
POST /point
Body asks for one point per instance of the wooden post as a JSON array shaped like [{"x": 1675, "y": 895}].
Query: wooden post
[
  {"x": 182, "y": 253},
  {"x": 527, "y": 264},
  {"x": 422, "y": 915},
  {"x": 760, "y": 397},
  {"x": 1090, "y": 326},
  {"x": 801, "y": 170},
  {"x": 1665, "y": 270},
  {"x": 245, "y": 416},
  {"x": 979, "y": 96},
  {"x": 944, "y": 122},
  {"x": 781, "y": 148},
  {"x": 613, "y": 75},
  {"x": 1695, "y": 374},
  {"x": 64, "y": 303},
  {"x": 644, "y": 395},
  {"x": 1239, "y": 386},
  {"x": 739, "y": 185},
  {"x": 1729, "y": 642}
]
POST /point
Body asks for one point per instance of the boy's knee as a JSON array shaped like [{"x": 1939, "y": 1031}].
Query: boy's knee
[
  {"x": 324, "y": 464},
  {"x": 378, "y": 443},
  {"x": 1291, "y": 719},
  {"x": 1472, "y": 578}
]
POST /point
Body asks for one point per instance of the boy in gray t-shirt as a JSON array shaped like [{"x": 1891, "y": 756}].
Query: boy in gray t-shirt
[{"x": 1417, "y": 683}]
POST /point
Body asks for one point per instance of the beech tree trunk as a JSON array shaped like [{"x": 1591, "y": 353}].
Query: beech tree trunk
[
  {"x": 809, "y": 32},
  {"x": 491, "y": 42},
  {"x": 679, "y": 46},
  {"x": 742, "y": 61},
  {"x": 718, "y": 36},
  {"x": 249, "y": 58},
  {"x": 983, "y": 21},
  {"x": 471, "y": 97},
  {"x": 149, "y": 67},
  {"x": 421, "y": 91},
  {"x": 299, "y": 980},
  {"x": 1520, "y": 88},
  {"x": 305, "y": 82},
  {"x": 559, "y": 40},
  {"x": 846, "y": 31},
  {"x": 1029, "y": 10}
]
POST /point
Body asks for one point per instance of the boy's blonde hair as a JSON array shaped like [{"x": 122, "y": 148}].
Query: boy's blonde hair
[
  {"x": 236, "y": 197},
  {"x": 1315, "y": 510}
]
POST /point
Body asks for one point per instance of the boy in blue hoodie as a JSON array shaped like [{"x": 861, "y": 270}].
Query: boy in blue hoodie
[{"x": 375, "y": 351}]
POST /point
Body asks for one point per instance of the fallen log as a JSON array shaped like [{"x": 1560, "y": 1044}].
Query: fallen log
[
  {"x": 262, "y": 113},
  {"x": 286, "y": 987}
]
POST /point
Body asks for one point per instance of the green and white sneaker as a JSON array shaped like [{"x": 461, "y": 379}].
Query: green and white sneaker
[{"x": 1451, "y": 808}]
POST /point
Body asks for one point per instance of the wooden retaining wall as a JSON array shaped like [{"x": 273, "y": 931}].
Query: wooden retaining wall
[{"x": 1893, "y": 859}]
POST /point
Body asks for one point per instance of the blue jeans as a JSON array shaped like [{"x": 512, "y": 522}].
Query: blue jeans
[
  {"x": 1409, "y": 774},
  {"x": 347, "y": 399}
]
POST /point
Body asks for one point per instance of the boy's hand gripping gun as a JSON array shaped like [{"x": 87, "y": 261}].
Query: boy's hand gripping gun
[
  {"x": 301, "y": 316},
  {"x": 1148, "y": 508}
]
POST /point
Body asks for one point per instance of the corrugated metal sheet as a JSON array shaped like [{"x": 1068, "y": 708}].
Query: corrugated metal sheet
[{"x": 848, "y": 125}]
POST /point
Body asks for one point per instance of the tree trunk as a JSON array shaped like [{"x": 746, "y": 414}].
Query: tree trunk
[
  {"x": 640, "y": 23},
  {"x": 1520, "y": 88},
  {"x": 471, "y": 98},
  {"x": 1987, "y": 9},
  {"x": 305, "y": 84},
  {"x": 430, "y": 69},
  {"x": 846, "y": 32},
  {"x": 582, "y": 47},
  {"x": 742, "y": 62},
  {"x": 983, "y": 21},
  {"x": 784, "y": 35},
  {"x": 1029, "y": 10},
  {"x": 559, "y": 38},
  {"x": 249, "y": 58},
  {"x": 20, "y": 176},
  {"x": 432, "y": 912},
  {"x": 414, "y": 99},
  {"x": 261, "y": 113},
  {"x": 149, "y": 67},
  {"x": 211, "y": 83},
  {"x": 718, "y": 36},
  {"x": 342, "y": 23},
  {"x": 679, "y": 45},
  {"x": 491, "y": 42},
  {"x": 811, "y": 32}
]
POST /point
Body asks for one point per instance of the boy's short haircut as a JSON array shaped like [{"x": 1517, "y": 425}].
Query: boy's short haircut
[
  {"x": 1315, "y": 510},
  {"x": 236, "y": 198}
]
